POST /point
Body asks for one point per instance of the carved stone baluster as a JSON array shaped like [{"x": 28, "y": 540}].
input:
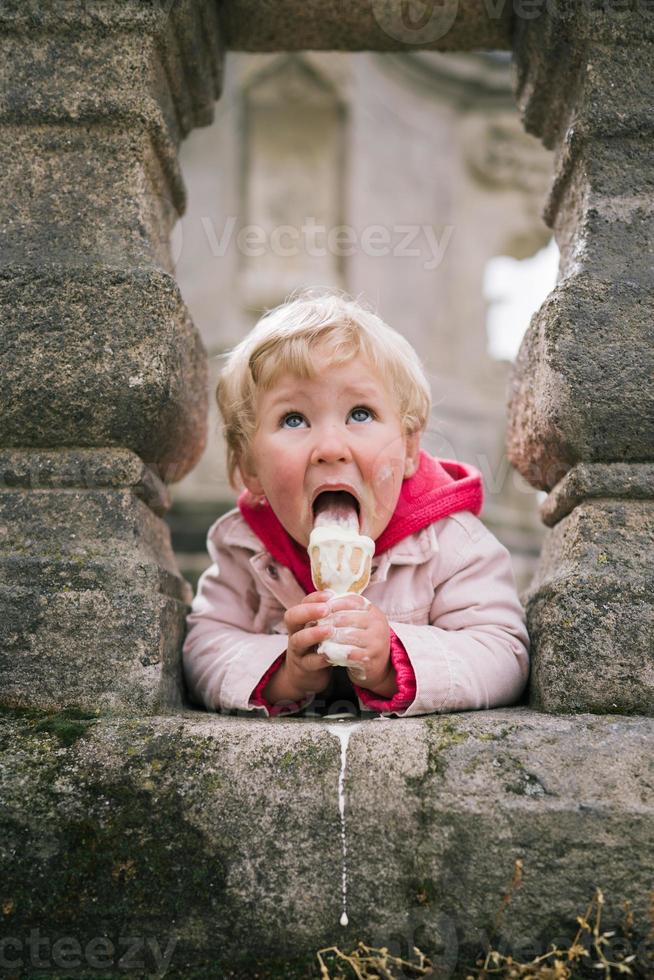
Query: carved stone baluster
[
  {"x": 103, "y": 383},
  {"x": 581, "y": 408}
]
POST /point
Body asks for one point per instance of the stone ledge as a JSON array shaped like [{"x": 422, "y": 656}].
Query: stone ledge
[
  {"x": 56, "y": 469},
  {"x": 630, "y": 481},
  {"x": 224, "y": 833},
  {"x": 380, "y": 25}
]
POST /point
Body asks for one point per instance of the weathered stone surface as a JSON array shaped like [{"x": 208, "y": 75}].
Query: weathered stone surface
[
  {"x": 57, "y": 213},
  {"x": 377, "y": 25},
  {"x": 581, "y": 394},
  {"x": 115, "y": 58},
  {"x": 630, "y": 481},
  {"x": 601, "y": 217},
  {"x": 582, "y": 382},
  {"x": 581, "y": 389},
  {"x": 102, "y": 357},
  {"x": 220, "y": 838},
  {"x": 590, "y": 611},
  {"x": 94, "y": 104},
  {"x": 603, "y": 174},
  {"x": 92, "y": 605},
  {"x": 97, "y": 346},
  {"x": 561, "y": 52},
  {"x": 193, "y": 48},
  {"x": 63, "y": 468}
]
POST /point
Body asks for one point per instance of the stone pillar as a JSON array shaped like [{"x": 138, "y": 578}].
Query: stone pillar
[
  {"x": 581, "y": 400},
  {"x": 103, "y": 384}
]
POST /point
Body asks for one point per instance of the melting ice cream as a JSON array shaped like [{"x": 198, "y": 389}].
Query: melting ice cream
[{"x": 340, "y": 556}]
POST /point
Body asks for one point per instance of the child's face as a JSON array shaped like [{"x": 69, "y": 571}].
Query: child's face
[{"x": 340, "y": 430}]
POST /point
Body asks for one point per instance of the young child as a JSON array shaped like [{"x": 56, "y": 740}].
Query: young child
[{"x": 323, "y": 402}]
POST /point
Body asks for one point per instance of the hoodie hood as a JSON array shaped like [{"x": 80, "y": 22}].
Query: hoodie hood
[{"x": 439, "y": 487}]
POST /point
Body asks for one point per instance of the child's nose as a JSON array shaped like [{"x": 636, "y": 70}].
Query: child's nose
[{"x": 331, "y": 446}]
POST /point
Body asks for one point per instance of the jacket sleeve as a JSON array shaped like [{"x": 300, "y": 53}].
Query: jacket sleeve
[
  {"x": 405, "y": 681},
  {"x": 475, "y": 651},
  {"x": 223, "y": 658}
]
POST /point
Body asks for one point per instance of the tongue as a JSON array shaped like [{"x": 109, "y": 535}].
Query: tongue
[{"x": 336, "y": 507}]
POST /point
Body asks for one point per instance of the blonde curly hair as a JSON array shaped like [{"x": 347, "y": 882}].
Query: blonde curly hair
[{"x": 284, "y": 340}]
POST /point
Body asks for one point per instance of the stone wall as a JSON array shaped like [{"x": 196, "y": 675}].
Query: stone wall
[
  {"x": 207, "y": 846},
  {"x": 125, "y": 815}
]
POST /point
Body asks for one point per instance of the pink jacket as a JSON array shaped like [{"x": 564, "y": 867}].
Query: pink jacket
[{"x": 448, "y": 591}]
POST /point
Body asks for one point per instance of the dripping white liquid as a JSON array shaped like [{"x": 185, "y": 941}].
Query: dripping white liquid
[{"x": 343, "y": 732}]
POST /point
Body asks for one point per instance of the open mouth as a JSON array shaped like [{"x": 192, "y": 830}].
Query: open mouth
[{"x": 336, "y": 507}]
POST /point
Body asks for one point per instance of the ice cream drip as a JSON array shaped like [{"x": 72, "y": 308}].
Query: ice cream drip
[{"x": 343, "y": 734}]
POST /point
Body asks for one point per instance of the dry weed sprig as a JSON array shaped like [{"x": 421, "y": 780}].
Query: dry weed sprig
[
  {"x": 371, "y": 963},
  {"x": 585, "y": 956},
  {"x": 515, "y": 883},
  {"x": 628, "y": 920},
  {"x": 558, "y": 964},
  {"x": 650, "y": 915}
]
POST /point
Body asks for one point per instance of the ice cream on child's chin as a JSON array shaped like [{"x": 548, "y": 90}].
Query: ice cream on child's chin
[{"x": 340, "y": 556}]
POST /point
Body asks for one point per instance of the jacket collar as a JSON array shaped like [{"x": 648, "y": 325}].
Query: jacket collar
[
  {"x": 413, "y": 550},
  {"x": 280, "y": 581}
]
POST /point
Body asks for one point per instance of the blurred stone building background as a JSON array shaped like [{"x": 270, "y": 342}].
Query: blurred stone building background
[{"x": 399, "y": 178}]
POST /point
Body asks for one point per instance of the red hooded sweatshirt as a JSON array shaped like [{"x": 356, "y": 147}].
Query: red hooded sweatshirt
[{"x": 439, "y": 487}]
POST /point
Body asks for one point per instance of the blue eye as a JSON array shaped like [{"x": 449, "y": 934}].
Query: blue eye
[
  {"x": 361, "y": 414},
  {"x": 292, "y": 421}
]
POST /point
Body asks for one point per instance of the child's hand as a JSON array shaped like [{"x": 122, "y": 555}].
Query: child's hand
[
  {"x": 306, "y": 670},
  {"x": 364, "y": 628}
]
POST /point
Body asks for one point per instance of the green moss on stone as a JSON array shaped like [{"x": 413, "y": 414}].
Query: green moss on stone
[
  {"x": 123, "y": 857},
  {"x": 312, "y": 758},
  {"x": 495, "y": 736},
  {"x": 441, "y": 736},
  {"x": 67, "y": 725}
]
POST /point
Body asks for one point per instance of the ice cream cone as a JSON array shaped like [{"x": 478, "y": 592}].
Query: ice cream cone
[{"x": 340, "y": 559}]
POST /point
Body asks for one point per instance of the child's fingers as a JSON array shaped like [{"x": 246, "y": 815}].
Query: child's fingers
[
  {"x": 356, "y": 618},
  {"x": 298, "y": 616},
  {"x": 313, "y": 661},
  {"x": 350, "y": 636},
  {"x": 358, "y": 655},
  {"x": 322, "y": 596},
  {"x": 350, "y": 601},
  {"x": 356, "y": 670},
  {"x": 301, "y": 641}
]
